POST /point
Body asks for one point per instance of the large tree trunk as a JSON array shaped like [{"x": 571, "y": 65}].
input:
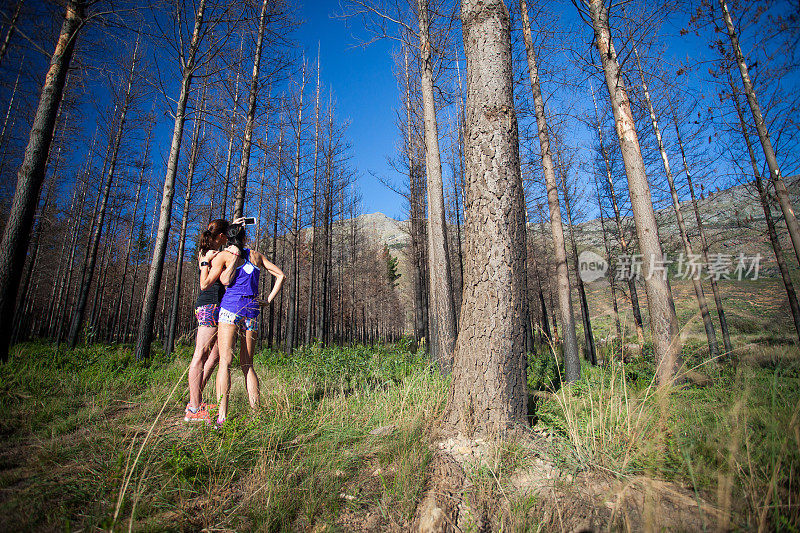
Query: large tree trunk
[
  {"x": 773, "y": 234},
  {"x": 32, "y": 172},
  {"x": 723, "y": 323},
  {"x": 169, "y": 341},
  {"x": 631, "y": 281},
  {"x": 489, "y": 388},
  {"x": 702, "y": 303},
  {"x": 251, "y": 116},
  {"x": 763, "y": 135},
  {"x": 663, "y": 320},
  {"x": 572, "y": 366},
  {"x": 144, "y": 335},
  {"x": 442, "y": 306}
]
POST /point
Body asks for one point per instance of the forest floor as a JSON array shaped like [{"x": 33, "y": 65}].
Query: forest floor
[{"x": 344, "y": 441}]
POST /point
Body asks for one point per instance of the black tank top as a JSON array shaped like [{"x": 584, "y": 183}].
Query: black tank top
[{"x": 212, "y": 295}]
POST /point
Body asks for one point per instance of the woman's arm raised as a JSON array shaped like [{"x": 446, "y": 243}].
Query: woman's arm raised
[
  {"x": 275, "y": 271},
  {"x": 218, "y": 265}
]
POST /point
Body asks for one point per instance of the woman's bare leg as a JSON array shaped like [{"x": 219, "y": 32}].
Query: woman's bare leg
[
  {"x": 226, "y": 336},
  {"x": 206, "y": 336},
  {"x": 210, "y": 364},
  {"x": 246, "y": 364}
]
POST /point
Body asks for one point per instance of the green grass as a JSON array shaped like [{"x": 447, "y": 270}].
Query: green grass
[
  {"x": 77, "y": 420},
  {"x": 93, "y": 439},
  {"x": 735, "y": 440}
]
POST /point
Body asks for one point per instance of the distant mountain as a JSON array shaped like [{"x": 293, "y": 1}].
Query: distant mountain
[{"x": 733, "y": 219}]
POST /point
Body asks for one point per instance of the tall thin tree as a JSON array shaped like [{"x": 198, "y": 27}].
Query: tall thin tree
[
  {"x": 663, "y": 319},
  {"x": 763, "y": 135},
  {"x": 32, "y": 172},
  {"x": 188, "y": 60},
  {"x": 572, "y": 368}
]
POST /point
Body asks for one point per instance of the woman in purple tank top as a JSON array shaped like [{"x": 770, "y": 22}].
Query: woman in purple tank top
[{"x": 239, "y": 268}]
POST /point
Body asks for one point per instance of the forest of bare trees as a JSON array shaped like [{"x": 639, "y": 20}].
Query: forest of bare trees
[
  {"x": 583, "y": 190},
  {"x": 97, "y": 247}
]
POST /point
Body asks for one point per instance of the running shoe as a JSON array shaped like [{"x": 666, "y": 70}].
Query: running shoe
[{"x": 200, "y": 416}]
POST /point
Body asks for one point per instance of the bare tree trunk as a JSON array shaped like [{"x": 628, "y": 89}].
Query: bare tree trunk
[
  {"x": 312, "y": 274},
  {"x": 611, "y": 279},
  {"x": 663, "y": 320},
  {"x": 588, "y": 335},
  {"x": 274, "y": 255},
  {"x": 169, "y": 341},
  {"x": 232, "y": 133},
  {"x": 291, "y": 319},
  {"x": 489, "y": 388},
  {"x": 11, "y": 27},
  {"x": 32, "y": 172},
  {"x": 545, "y": 324},
  {"x": 251, "y": 116},
  {"x": 118, "y": 314},
  {"x": 438, "y": 257},
  {"x": 702, "y": 303},
  {"x": 145, "y": 331},
  {"x": 97, "y": 228},
  {"x": 632, "y": 291},
  {"x": 572, "y": 366},
  {"x": 723, "y": 323},
  {"x": 62, "y": 273},
  {"x": 10, "y": 107},
  {"x": 763, "y": 135},
  {"x": 773, "y": 234}
]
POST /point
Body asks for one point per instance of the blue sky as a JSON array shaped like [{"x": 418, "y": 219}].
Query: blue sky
[{"x": 366, "y": 95}]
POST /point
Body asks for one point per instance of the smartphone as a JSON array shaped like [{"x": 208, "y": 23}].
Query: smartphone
[{"x": 249, "y": 221}]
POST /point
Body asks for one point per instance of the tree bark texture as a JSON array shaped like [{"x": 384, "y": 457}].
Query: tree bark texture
[
  {"x": 663, "y": 320},
  {"x": 489, "y": 388},
  {"x": 32, "y": 172},
  {"x": 572, "y": 366}
]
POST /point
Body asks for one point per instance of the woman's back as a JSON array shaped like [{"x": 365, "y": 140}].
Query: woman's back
[{"x": 240, "y": 296}]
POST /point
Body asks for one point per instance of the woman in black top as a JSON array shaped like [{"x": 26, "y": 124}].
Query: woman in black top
[{"x": 206, "y": 352}]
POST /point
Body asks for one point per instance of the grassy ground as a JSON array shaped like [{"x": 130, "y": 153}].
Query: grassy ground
[
  {"x": 93, "y": 439},
  {"x": 731, "y": 434}
]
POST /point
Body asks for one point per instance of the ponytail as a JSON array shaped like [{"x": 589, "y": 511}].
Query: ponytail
[{"x": 206, "y": 242}]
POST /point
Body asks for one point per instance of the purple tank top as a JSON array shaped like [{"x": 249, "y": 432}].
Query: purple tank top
[{"x": 240, "y": 296}]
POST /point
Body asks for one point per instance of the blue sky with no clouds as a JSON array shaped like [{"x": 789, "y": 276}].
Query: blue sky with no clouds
[{"x": 366, "y": 95}]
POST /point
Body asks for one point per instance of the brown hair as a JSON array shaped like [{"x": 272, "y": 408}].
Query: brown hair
[{"x": 215, "y": 229}]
